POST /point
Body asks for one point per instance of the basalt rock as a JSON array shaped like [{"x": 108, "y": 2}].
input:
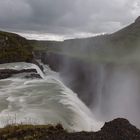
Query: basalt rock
[
  {"x": 33, "y": 75},
  {"x": 6, "y": 73}
]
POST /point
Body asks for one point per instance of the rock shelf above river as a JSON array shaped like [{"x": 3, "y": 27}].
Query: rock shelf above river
[{"x": 7, "y": 73}]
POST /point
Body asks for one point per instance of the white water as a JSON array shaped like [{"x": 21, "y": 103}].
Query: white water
[
  {"x": 118, "y": 93},
  {"x": 42, "y": 101}
]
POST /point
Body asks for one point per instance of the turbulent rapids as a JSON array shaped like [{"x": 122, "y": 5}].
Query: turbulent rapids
[{"x": 42, "y": 101}]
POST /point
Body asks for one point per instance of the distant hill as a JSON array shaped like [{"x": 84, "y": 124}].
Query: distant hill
[
  {"x": 109, "y": 47},
  {"x": 14, "y": 48}
]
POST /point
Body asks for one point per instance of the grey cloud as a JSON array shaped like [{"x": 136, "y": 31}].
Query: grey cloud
[{"x": 67, "y": 16}]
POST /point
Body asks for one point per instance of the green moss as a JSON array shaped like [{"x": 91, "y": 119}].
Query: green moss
[
  {"x": 14, "y": 48},
  {"x": 29, "y": 132}
]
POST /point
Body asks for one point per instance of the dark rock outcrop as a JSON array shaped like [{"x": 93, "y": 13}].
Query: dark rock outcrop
[
  {"x": 6, "y": 73},
  {"x": 118, "y": 129},
  {"x": 14, "y": 48},
  {"x": 33, "y": 75}
]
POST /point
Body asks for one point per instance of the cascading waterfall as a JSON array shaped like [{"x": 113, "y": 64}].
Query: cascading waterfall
[
  {"x": 119, "y": 93},
  {"x": 43, "y": 101},
  {"x": 96, "y": 108}
]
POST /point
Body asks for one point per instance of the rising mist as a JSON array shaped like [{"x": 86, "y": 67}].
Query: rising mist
[{"x": 104, "y": 72}]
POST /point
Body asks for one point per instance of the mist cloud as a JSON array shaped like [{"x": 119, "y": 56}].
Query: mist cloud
[{"x": 67, "y": 17}]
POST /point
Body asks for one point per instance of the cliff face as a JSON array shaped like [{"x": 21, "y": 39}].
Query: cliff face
[
  {"x": 75, "y": 73},
  {"x": 81, "y": 60},
  {"x": 14, "y": 48}
]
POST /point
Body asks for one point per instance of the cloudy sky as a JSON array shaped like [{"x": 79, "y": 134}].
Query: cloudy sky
[{"x": 58, "y": 19}]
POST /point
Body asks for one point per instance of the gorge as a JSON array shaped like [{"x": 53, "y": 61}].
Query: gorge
[{"x": 102, "y": 71}]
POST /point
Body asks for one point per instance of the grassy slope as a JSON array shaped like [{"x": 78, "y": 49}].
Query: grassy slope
[
  {"x": 44, "y": 45},
  {"x": 118, "y": 129},
  {"x": 14, "y": 48},
  {"x": 29, "y": 132}
]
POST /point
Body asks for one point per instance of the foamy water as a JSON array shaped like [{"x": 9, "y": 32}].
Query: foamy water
[{"x": 42, "y": 101}]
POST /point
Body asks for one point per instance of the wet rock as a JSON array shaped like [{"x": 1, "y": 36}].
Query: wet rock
[
  {"x": 33, "y": 75},
  {"x": 6, "y": 73}
]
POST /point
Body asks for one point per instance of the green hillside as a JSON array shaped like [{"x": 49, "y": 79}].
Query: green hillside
[
  {"x": 14, "y": 48},
  {"x": 123, "y": 45}
]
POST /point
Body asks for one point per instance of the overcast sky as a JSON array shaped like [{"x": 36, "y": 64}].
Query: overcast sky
[{"x": 58, "y": 19}]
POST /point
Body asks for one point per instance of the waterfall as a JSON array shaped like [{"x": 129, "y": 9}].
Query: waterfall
[
  {"x": 43, "y": 101},
  {"x": 118, "y": 93}
]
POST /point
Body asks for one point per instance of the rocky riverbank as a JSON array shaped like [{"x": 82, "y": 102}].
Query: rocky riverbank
[{"x": 118, "y": 129}]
